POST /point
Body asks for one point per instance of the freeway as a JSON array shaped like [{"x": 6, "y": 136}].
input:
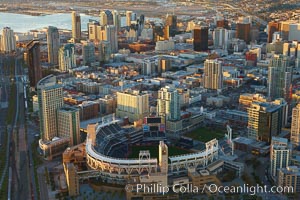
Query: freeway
[
  {"x": 21, "y": 177},
  {"x": 24, "y": 160},
  {"x": 13, "y": 176},
  {"x": 240, "y": 11}
]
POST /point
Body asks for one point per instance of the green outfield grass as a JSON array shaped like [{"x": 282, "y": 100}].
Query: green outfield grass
[
  {"x": 205, "y": 134},
  {"x": 173, "y": 151}
]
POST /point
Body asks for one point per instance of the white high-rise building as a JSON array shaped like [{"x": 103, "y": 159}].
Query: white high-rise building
[
  {"x": 295, "y": 126},
  {"x": 132, "y": 104},
  {"x": 168, "y": 103},
  {"x": 8, "y": 40},
  {"x": 219, "y": 37},
  {"x": 213, "y": 74},
  {"x": 294, "y": 32},
  {"x": 279, "y": 77},
  {"x": 280, "y": 154}
]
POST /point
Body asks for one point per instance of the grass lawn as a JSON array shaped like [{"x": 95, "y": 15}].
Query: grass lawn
[
  {"x": 173, "y": 151},
  {"x": 204, "y": 134}
]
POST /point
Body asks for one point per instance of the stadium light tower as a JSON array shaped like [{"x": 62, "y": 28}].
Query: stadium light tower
[{"x": 229, "y": 138}]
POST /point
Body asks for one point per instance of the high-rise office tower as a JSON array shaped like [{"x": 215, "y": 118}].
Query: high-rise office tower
[
  {"x": 131, "y": 33},
  {"x": 284, "y": 28},
  {"x": 293, "y": 51},
  {"x": 245, "y": 19},
  {"x": 158, "y": 32},
  {"x": 168, "y": 103},
  {"x": 218, "y": 35},
  {"x": 213, "y": 74},
  {"x": 284, "y": 110},
  {"x": 272, "y": 28},
  {"x": 92, "y": 30},
  {"x": 33, "y": 61},
  {"x": 8, "y": 40},
  {"x": 132, "y": 104},
  {"x": 286, "y": 48},
  {"x": 166, "y": 32},
  {"x": 109, "y": 33},
  {"x": 148, "y": 67},
  {"x": 289, "y": 177},
  {"x": 200, "y": 36},
  {"x": 106, "y": 18},
  {"x": 295, "y": 126},
  {"x": 243, "y": 32},
  {"x": 254, "y": 34},
  {"x": 128, "y": 18},
  {"x": 66, "y": 57},
  {"x": 88, "y": 53},
  {"x": 279, "y": 77},
  {"x": 104, "y": 51},
  {"x": 141, "y": 24},
  {"x": 50, "y": 98},
  {"x": 221, "y": 37},
  {"x": 68, "y": 123},
  {"x": 133, "y": 18},
  {"x": 280, "y": 154},
  {"x": 294, "y": 33},
  {"x": 298, "y": 50},
  {"x": 53, "y": 44},
  {"x": 117, "y": 20},
  {"x": 171, "y": 21},
  {"x": 76, "y": 26},
  {"x": 222, "y": 23},
  {"x": 164, "y": 65},
  {"x": 263, "y": 121}
]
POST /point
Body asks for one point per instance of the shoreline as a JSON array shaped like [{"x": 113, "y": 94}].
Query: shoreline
[
  {"x": 29, "y": 13},
  {"x": 38, "y": 14},
  {"x": 38, "y": 21}
]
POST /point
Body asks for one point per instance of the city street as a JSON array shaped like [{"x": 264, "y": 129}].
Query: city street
[{"x": 27, "y": 185}]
